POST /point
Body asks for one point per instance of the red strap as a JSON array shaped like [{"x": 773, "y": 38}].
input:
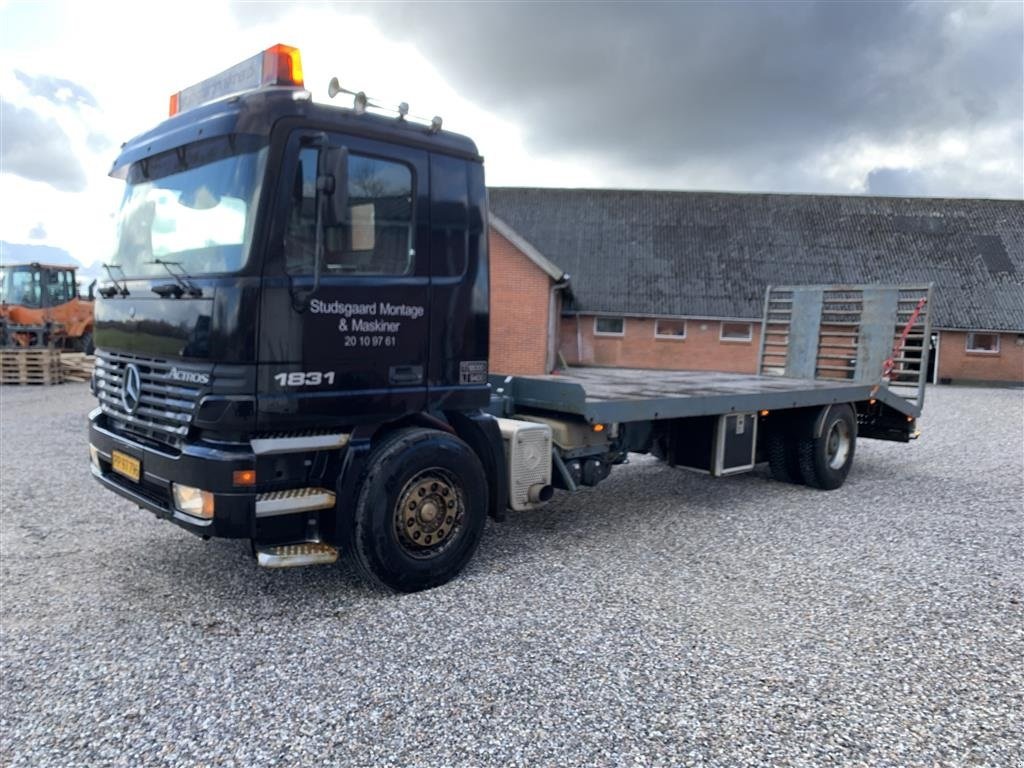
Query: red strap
[{"x": 890, "y": 363}]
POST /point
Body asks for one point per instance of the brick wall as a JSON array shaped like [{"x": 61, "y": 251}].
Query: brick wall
[
  {"x": 520, "y": 295},
  {"x": 956, "y": 363},
  {"x": 520, "y": 313},
  {"x": 700, "y": 350}
]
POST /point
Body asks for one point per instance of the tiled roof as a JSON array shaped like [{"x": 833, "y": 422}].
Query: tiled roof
[{"x": 705, "y": 254}]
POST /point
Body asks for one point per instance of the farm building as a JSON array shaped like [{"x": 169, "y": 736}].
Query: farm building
[{"x": 676, "y": 280}]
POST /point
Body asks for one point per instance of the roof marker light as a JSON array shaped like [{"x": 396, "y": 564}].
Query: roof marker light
[{"x": 279, "y": 65}]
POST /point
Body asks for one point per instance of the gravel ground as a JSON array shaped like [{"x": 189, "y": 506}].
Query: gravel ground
[{"x": 663, "y": 618}]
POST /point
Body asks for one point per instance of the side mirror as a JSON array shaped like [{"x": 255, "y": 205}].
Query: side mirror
[
  {"x": 332, "y": 180},
  {"x": 331, "y": 205}
]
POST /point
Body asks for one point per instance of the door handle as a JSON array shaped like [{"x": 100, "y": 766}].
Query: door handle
[{"x": 405, "y": 374}]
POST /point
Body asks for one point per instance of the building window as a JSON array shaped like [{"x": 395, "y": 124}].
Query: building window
[
  {"x": 736, "y": 332},
  {"x": 670, "y": 329},
  {"x": 609, "y": 326},
  {"x": 983, "y": 342}
]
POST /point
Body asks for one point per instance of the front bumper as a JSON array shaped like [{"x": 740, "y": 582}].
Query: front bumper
[{"x": 197, "y": 464}]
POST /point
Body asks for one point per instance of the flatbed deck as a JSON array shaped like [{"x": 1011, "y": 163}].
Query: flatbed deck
[
  {"x": 606, "y": 395},
  {"x": 820, "y": 345}
]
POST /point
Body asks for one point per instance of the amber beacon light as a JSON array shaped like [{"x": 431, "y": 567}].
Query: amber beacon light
[
  {"x": 278, "y": 65},
  {"x": 282, "y": 65}
]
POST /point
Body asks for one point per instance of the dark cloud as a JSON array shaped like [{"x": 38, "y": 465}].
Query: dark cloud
[
  {"x": 38, "y": 232},
  {"x": 657, "y": 83},
  {"x": 37, "y": 148},
  {"x": 758, "y": 88},
  {"x": 65, "y": 93}
]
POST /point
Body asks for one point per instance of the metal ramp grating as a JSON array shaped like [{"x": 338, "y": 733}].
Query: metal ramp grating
[{"x": 864, "y": 334}]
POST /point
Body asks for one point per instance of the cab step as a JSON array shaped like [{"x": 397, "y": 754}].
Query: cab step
[
  {"x": 293, "y": 501},
  {"x": 296, "y": 555}
]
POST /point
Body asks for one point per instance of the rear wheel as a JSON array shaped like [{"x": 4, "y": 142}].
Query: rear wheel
[
  {"x": 825, "y": 461},
  {"x": 420, "y": 511}
]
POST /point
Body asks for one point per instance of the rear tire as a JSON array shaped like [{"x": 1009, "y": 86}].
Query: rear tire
[
  {"x": 420, "y": 510},
  {"x": 783, "y": 462},
  {"x": 825, "y": 461}
]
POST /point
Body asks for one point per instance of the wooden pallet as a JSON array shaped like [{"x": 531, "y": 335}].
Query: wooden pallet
[
  {"x": 77, "y": 366},
  {"x": 30, "y": 366}
]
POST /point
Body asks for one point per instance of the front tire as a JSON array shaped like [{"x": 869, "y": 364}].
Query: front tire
[
  {"x": 825, "y": 461},
  {"x": 420, "y": 511}
]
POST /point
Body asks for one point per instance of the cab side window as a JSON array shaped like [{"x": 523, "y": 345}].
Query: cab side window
[{"x": 376, "y": 236}]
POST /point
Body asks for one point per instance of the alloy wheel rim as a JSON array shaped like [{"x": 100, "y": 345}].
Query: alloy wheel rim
[
  {"x": 430, "y": 513},
  {"x": 838, "y": 444}
]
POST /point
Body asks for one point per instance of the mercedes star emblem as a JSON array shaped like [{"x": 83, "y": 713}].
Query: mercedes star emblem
[{"x": 132, "y": 388}]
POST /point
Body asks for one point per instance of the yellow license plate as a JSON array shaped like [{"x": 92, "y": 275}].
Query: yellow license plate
[{"x": 125, "y": 465}]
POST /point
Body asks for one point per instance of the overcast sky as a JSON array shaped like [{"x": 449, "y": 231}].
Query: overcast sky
[{"x": 861, "y": 98}]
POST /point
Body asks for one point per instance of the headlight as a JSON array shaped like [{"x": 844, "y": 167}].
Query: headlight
[
  {"x": 94, "y": 455},
  {"x": 193, "y": 501}
]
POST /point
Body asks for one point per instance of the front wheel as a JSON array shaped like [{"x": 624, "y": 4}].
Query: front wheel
[
  {"x": 420, "y": 511},
  {"x": 825, "y": 461}
]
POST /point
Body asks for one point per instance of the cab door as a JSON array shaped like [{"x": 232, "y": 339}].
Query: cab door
[{"x": 350, "y": 345}]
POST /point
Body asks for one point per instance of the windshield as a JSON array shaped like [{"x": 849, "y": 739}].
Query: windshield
[{"x": 200, "y": 217}]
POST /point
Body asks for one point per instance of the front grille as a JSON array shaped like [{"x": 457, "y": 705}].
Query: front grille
[{"x": 166, "y": 406}]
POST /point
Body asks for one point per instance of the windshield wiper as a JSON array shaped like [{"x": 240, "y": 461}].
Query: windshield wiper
[
  {"x": 117, "y": 287},
  {"x": 181, "y": 277}
]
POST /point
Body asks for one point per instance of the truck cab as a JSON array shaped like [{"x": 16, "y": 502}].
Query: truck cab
[{"x": 291, "y": 282}]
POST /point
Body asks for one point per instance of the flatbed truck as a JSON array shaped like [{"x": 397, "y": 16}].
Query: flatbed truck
[{"x": 292, "y": 348}]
